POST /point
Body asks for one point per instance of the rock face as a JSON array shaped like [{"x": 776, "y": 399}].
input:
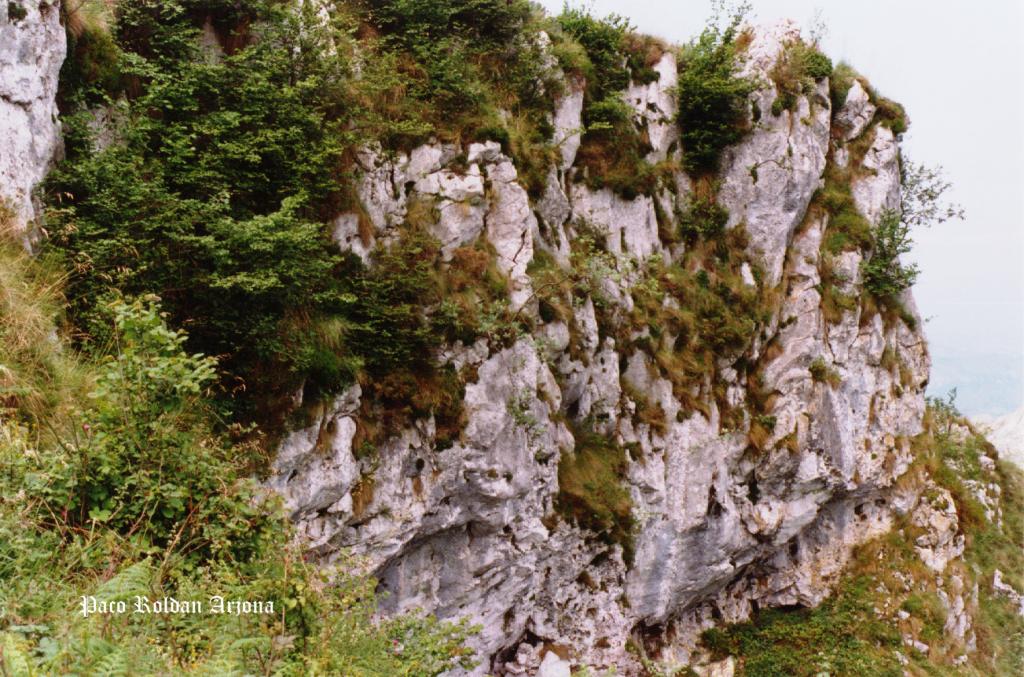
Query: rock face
[
  {"x": 722, "y": 525},
  {"x": 32, "y": 49}
]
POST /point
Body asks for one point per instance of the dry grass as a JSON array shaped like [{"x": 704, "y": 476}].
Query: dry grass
[
  {"x": 38, "y": 378},
  {"x": 83, "y": 16}
]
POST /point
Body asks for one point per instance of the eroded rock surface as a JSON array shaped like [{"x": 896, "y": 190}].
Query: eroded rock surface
[
  {"x": 32, "y": 49},
  {"x": 722, "y": 526}
]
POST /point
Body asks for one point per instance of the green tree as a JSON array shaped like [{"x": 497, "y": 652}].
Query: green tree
[
  {"x": 713, "y": 107},
  {"x": 885, "y": 275}
]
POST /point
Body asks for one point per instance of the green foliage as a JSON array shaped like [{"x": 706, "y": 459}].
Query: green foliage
[
  {"x": 611, "y": 149},
  {"x": 37, "y": 378},
  {"x": 922, "y": 191},
  {"x": 212, "y": 203},
  {"x": 922, "y": 204},
  {"x": 592, "y": 492},
  {"x": 463, "y": 60},
  {"x": 843, "y": 636},
  {"x": 90, "y": 74},
  {"x": 843, "y": 76},
  {"x": 713, "y": 109},
  {"x": 885, "y": 275},
  {"x": 488, "y": 24},
  {"x": 846, "y": 230},
  {"x": 132, "y": 494},
  {"x": 604, "y": 43},
  {"x": 821, "y": 372},
  {"x": 134, "y": 467},
  {"x": 16, "y": 12},
  {"x": 704, "y": 219},
  {"x": 817, "y": 65},
  {"x": 390, "y": 327},
  {"x": 891, "y": 114}
]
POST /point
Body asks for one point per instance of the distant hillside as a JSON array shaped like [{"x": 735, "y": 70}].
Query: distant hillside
[
  {"x": 986, "y": 384},
  {"x": 1006, "y": 433}
]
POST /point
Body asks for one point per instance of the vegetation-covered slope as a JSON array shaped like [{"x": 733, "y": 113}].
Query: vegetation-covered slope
[{"x": 891, "y": 614}]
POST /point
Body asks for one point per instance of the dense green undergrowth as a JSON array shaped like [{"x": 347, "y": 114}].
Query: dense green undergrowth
[
  {"x": 116, "y": 484},
  {"x": 212, "y": 183}
]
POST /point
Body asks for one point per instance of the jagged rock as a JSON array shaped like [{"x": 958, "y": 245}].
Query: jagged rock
[
  {"x": 483, "y": 152},
  {"x": 553, "y": 666},
  {"x": 472, "y": 530},
  {"x": 723, "y": 668},
  {"x": 878, "y": 187},
  {"x": 769, "y": 177},
  {"x": 32, "y": 49},
  {"x": 958, "y": 619},
  {"x": 315, "y": 468},
  {"x": 1007, "y": 591},
  {"x": 348, "y": 238},
  {"x": 856, "y": 113},
  {"x": 510, "y": 228},
  {"x": 941, "y": 540},
  {"x": 628, "y": 226},
  {"x": 655, "y": 107},
  {"x": 916, "y": 645},
  {"x": 460, "y": 204},
  {"x": 554, "y": 211},
  {"x": 568, "y": 122},
  {"x": 1006, "y": 433},
  {"x": 381, "y": 187}
]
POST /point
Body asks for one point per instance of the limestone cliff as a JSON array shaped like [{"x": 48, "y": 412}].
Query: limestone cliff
[
  {"x": 746, "y": 484},
  {"x": 731, "y": 512},
  {"x": 32, "y": 49}
]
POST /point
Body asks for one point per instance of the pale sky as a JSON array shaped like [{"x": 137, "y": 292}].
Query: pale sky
[{"x": 958, "y": 68}]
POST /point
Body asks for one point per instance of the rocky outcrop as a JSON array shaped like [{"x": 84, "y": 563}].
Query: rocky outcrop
[
  {"x": 32, "y": 49},
  {"x": 768, "y": 179},
  {"x": 1007, "y": 591},
  {"x": 723, "y": 525}
]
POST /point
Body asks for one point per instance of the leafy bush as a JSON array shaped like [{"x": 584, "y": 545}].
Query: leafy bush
[
  {"x": 922, "y": 204},
  {"x": 705, "y": 218},
  {"x": 15, "y": 12},
  {"x": 91, "y": 73},
  {"x": 144, "y": 465},
  {"x": 840, "y": 84},
  {"x": 211, "y": 195},
  {"x": 131, "y": 493},
  {"x": 465, "y": 59},
  {"x": 885, "y": 275},
  {"x": 604, "y": 41},
  {"x": 842, "y": 636},
  {"x": 488, "y": 24},
  {"x": 822, "y": 373},
  {"x": 713, "y": 106}
]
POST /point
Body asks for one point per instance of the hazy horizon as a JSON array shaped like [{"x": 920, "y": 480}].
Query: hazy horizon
[{"x": 964, "y": 104}]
